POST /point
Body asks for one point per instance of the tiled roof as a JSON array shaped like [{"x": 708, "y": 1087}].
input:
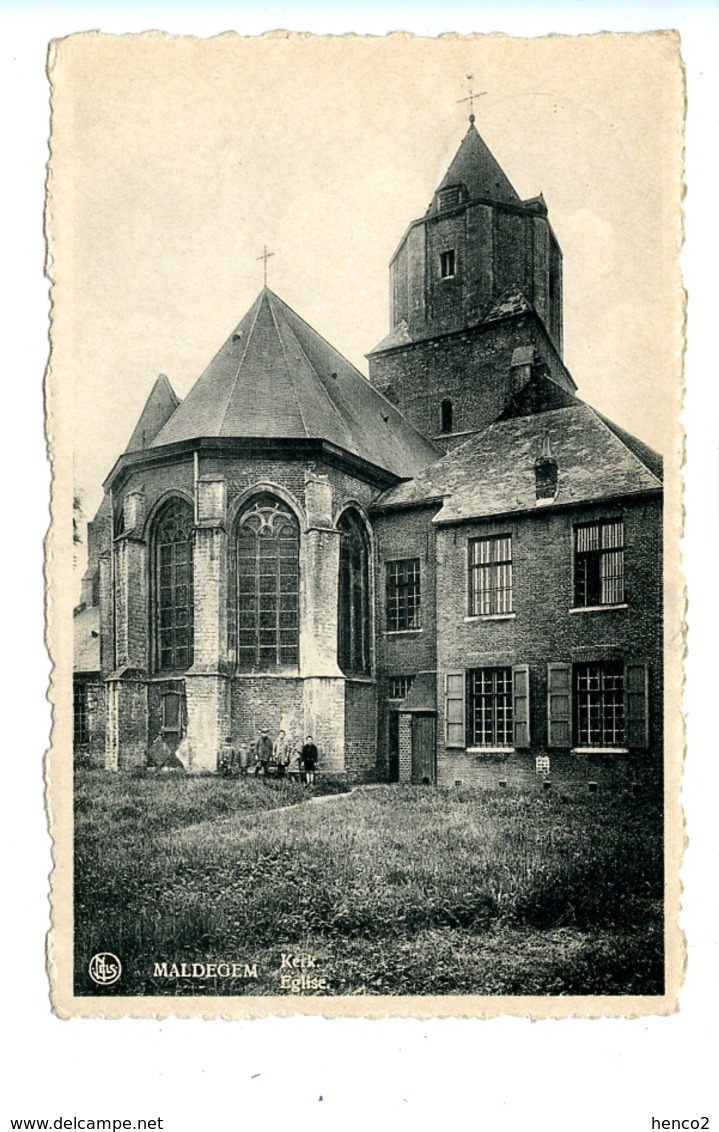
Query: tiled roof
[
  {"x": 476, "y": 167},
  {"x": 86, "y": 629},
  {"x": 422, "y": 695},
  {"x": 493, "y": 472},
  {"x": 641, "y": 450},
  {"x": 159, "y": 407},
  {"x": 276, "y": 377}
]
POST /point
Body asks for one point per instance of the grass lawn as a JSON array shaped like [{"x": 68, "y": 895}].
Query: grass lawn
[{"x": 390, "y": 890}]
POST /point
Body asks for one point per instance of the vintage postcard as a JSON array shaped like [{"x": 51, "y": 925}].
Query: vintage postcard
[{"x": 365, "y": 605}]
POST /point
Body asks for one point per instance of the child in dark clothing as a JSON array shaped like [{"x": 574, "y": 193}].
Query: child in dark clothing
[{"x": 310, "y": 756}]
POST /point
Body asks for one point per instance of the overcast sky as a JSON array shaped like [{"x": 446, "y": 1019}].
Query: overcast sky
[{"x": 177, "y": 160}]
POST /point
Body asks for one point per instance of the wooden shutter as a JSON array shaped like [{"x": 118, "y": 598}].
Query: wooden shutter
[
  {"x": 636, "y": 681},
  {"x": 520, "y": 705},
  {"x": 454, "y": 727},
  {"x": 559, "y": 705}
]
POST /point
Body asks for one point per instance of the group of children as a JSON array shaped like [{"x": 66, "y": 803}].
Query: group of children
[{"x": 281, "y": 756}]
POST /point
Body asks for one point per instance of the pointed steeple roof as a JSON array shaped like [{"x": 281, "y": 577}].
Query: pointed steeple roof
[
  {"x": 159, "y": 407},
  {"x": 475, "y": 167},
  {"x": 276, "y": 377}
]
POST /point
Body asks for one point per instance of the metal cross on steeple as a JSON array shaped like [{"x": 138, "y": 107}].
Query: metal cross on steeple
[
  {"x": 471, "y": 97},
  {"x": 265, "y": 256}
]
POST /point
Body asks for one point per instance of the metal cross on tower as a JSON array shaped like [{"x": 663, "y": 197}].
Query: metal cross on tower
[
  {"x": 265, "y": 256},
  {"x": 471, "y": 97}
]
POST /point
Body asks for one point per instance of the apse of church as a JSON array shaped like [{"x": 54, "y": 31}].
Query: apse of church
[{"x": 241, "y": 555}]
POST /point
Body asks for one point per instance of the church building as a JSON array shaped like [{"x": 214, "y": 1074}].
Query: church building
[{"x": 449, "y": 573}]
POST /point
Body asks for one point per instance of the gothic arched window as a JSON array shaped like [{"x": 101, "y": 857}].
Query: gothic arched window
[
  {"x": 446, "y": 415},
  {"x": 268, "y": 586},
  {"x": 353, "y": 622},
  {"x": 173, "y": 604}
]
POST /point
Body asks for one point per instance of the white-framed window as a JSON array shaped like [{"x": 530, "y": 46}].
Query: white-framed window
[
  {"x": 598, "y": 704},
  {"x": 403, "y": 595},
  {"x": 448, "y": 264},
  {"x": 490, "y": 576},
  {"x": 399, "y": 686},
  {"x": 599, "y": 563},
  {"x": 487, "y": 707},
  {"x": 599, "y": 712},
  {"x": 490, "y": 707}
]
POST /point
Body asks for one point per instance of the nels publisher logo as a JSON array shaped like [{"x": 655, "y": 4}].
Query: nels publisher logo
[{"x": 104, "y": 968}]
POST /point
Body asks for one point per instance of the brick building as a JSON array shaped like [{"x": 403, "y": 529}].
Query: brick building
[{"x": 449, "y": 573}]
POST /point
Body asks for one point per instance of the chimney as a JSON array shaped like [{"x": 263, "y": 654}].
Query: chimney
[{"x": 546, "y": 473}]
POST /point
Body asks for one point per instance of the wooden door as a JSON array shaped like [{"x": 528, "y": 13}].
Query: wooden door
[{"x": 424, "y": 761}]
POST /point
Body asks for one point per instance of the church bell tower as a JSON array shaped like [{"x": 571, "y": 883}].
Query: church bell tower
[{"x": 473, "y": 281}]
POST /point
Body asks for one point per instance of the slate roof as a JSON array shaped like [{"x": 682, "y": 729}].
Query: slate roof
[
  {"x": 422, "y": 696},
  {"x": 477, "y": 168},
  {"x": 493, "y": 472},
  {"x": 398, "y": 336},
  {"x": 276, "y": 377},
  {"x": 86, "y": 629},
  {"x": 159, "y": 407}
]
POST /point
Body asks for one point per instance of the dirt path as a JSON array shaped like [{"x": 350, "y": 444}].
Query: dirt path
[
  {"x": 314, "y": 799},
  {"x": 317, "y": 799}
]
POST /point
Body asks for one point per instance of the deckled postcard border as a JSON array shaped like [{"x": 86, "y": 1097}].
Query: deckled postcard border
[{"x": 61, "y": 598}]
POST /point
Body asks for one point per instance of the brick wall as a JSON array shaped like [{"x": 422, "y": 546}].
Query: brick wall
[
  {"x": 210, "y": 597},
  {"x": 544, "y": 630},
  {"x": 274, "y": 702},
  {"x": 131, "y": 725},
  {"x": 131, "y": 603},
  {"x": 242, "y": 474},
  {"x": 107, "y": 656},
  {"x": 496, "y": 248},
  {"x": 98, "y": 531},
  {"x": 518, "y": 771},
  {"x": 208, "y": 716},
  {"x": 406, "y": 534},
  {"x": 290, "y": 705},
  {"x": 405, "y": 748},
  {"x": 472, "y": 368},
  {"x": 361, "y": 731}
]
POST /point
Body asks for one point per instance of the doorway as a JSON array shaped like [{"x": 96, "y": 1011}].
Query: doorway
[{"x": 424, "y": 752}]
